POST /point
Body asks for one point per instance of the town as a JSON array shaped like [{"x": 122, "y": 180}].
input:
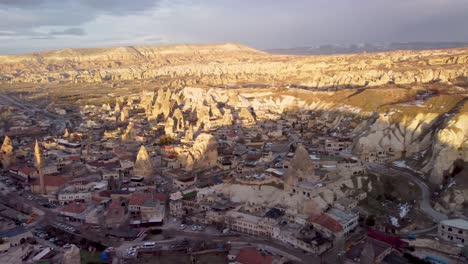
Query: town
[{"x": 196, "y": 175}]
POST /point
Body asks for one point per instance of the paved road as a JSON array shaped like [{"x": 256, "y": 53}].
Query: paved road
[
  {"x": 59, "y": 122},
  {"x": 179, "y": 235},
  {"x": 425, "y": 201}
]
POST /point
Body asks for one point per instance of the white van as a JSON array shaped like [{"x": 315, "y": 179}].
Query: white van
[{"x": 149, "y": 244}]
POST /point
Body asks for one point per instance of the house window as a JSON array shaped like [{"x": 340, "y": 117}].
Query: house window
[
  {"x": 460, "y": 231},
  {"x": 449, "y": 229}
]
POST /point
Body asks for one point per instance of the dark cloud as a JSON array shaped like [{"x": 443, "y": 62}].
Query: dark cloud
[
  {"x": 69, "y": 31},
  {"x": 21, "y": 3},
  {"x": 34, "y": 13}
]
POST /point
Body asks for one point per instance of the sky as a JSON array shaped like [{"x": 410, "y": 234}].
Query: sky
[{"x": 36, "y": 25}]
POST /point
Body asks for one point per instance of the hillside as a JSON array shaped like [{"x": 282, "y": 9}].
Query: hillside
[{"x": 234, "y": 64}]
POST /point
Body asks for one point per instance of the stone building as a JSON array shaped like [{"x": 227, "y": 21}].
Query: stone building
[{"x": 454, "y": 230}]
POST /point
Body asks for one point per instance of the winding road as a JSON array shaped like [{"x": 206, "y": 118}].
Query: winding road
[
  {"x": 425, "y": 201},
  {"x": 59, "y": 122}
]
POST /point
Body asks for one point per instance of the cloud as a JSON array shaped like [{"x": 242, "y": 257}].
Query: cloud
[
  {"x": 29, "y": 14},
  {"x": 69, "y": 31},
  {"x": 45, "y": 24}
]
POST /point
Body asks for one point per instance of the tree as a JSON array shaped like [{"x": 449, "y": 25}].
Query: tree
[{"x": 370, "y": 220}]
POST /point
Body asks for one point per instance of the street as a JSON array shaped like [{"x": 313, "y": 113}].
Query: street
[{"x": 425, "y": 201}]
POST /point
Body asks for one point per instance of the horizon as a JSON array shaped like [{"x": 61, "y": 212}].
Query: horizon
[{"x": 456, "y": 44}]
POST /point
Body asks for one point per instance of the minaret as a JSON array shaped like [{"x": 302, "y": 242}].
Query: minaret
[{"x": 38, "y": 163}]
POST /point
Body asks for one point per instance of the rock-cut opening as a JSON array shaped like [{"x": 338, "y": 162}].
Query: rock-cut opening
[{"x": 458, "y": 167}]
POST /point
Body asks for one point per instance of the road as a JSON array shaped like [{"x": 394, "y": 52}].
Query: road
[
  {"x": 59, "y": 122},
  {"x": 179, "y": 235},
  {"x": 425, "y": 201}
]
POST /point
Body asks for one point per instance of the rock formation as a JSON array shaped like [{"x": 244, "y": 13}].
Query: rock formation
[
  {"x": 301, "y": 169},
  {"x": 143, "y": 166},
  {"x": 189, "y": 134},
  {"x": 246, "y": 115},
  {"x": 204, "y": 153},
  {"x": 7, "y": 153},
  {"x": 66, "y": 134},
  {"x": 117, "y": 108},
  {"x": 223, "y": 64},
  {"x": 169, "y": 127},
  {"x": 129, "y": 133},
  {"x": 227, "y": 118},
  {"x": 450, "y": 146},
  {"x": 178, "y": 120}
]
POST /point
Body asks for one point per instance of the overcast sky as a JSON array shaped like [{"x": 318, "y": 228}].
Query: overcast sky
[{"x": 34, "y": 25}]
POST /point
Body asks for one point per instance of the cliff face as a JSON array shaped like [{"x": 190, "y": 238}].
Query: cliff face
[
  {"x": 449, "y": 146},
  {"x": 225, "y": 64}
]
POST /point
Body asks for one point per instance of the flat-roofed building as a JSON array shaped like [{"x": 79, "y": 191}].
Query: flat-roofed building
[{"x": 454, "y": 230}]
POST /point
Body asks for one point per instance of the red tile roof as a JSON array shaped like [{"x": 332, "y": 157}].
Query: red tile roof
[
  {"x": 327, "y": 222},
  {"x": 27, "y": 170},
  {"x": 75, "y": 208},
  {"x": 52, "y": 181},
  {"x": 253, "y": 256},
  {"x": 140, "y": 198}
]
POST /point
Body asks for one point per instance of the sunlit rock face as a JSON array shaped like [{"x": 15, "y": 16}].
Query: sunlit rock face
[
  {"x": 129, "y": 133},
  {"x": 301, "y": 169},
  {"x": 143, "y": 166},
  {"x": 450, "y": 146},
  {"x": 7, "y": 153},
  {"x": 203, "y": 154},
  {"x": 225, "y": 64}
]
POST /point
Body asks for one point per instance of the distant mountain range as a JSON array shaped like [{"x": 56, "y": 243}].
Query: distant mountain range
[{"x": 359, "y": 48}]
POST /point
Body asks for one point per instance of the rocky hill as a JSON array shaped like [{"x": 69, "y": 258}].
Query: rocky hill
[
  {"x": 234, "y": 64},
  {"x": 411, "y": 104}
]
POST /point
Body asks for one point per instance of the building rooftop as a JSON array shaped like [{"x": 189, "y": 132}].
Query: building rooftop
[
  {"x": 327, "y": 222},
  {"x": 378, "y": 247},
  {"x": 253, "y": 256},
  {"x": 146, "y": 198},
  {"x": 457, "y": 223},
  {"x": 75, "y": 208}
]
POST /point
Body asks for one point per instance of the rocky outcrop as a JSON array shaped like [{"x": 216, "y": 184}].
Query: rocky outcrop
[
  {"x": 7, "y": 153},
  {"x": 225, "y": 64},
  {"x": 143, "y": 166},
  {"x": 434, "y": 132},
  {"x": 301, "y": 168},
  {"x": 203, "y": 154},
  {"x": 449, "y": 147}
]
